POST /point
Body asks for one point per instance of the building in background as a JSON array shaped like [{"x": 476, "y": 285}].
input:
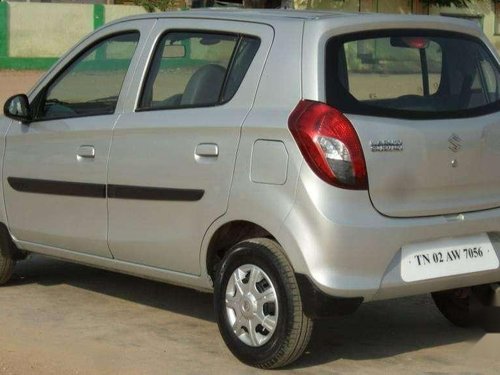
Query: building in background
[
  {"x": 110, "y": 2},
  {"x": 486, "y": 13},
  {"x": 25, "y": 44},
  {"x": 478, "y": 10}
]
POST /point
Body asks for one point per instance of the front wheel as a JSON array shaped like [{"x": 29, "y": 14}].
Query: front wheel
[
  {"x": 7, "y": 264},
  {"x": 258, "y": 305}
]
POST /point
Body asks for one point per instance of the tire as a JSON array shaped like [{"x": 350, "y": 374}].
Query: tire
[
  {"x": 455, "y": 305},
  {"x": 259, "y": 267},
  {"x": 7, "y": 264}
]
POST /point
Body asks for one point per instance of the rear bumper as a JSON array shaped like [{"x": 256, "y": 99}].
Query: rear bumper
[{"x": 349, "y": 250}]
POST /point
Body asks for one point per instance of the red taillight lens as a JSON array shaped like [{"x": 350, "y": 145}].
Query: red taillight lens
[{"x": 329, "y": 144}]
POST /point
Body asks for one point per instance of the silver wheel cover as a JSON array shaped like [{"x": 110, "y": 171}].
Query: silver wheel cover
[{"x": 251, "y": 305}]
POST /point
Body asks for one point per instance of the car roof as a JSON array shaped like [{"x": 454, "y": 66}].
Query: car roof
[
  {"x": 332, "y": 18},
  {"x": 255, "y": 15}
]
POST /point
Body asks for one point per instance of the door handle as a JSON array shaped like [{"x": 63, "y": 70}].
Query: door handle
[
  {"x": 86, "y": 152},
  {"x": 207, "y": 150}
]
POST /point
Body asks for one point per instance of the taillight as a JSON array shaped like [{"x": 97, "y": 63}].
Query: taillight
[{"x": 329, "y": 144}]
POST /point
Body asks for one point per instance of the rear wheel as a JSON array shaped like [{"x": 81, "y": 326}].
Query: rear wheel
[
  {"x": 455, "y": 305},
  {"x": 258, "y": 305},
  {"x": 464, "y": 306}
]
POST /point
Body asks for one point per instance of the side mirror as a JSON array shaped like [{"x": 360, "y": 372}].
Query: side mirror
[{"x": 18, "y": 108}]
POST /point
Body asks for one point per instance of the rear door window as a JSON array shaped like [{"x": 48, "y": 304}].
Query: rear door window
[
  {"x": 411, "y": 74},
  {"x": 196, "y": 69}
]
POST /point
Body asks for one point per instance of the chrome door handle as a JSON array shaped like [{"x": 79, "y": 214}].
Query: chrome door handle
[
  {"x": 86, "y": 152},
  {"x": 207, "y": 150}
]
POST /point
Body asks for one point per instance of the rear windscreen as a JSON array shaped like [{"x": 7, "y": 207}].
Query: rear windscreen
[{"x": 412, "y": 74}]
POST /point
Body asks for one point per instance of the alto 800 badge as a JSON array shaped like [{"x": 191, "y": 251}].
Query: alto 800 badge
[{"x": 386, "y": 146}]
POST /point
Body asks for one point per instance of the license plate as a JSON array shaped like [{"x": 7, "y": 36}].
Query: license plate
[{"x": 447, "y": 257}]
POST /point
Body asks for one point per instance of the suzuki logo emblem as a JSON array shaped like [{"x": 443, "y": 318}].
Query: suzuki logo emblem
[{"x": 455, "y": 143}]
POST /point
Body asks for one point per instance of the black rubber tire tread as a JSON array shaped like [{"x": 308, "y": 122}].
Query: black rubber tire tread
[
  {"x": 298, "y": 340},
  {"x": 293, "y": 345},
  {"x": 7, "y": 265},
  {"x": 456, "y": 310}
]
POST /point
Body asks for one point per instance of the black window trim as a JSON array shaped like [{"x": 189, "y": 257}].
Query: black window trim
[
  {"x": 221, "y": 101},
  {"x": 355, "y": 107},
  {"x": 230, "y": 66},
  {"x": 37, "y": 101}
]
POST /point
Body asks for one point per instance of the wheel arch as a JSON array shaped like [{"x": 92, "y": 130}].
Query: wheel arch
[{"x": 227, "y": 235}]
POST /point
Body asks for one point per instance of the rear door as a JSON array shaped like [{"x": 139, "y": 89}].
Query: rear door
[
  {"x": 425, "y": 105},
  {"x": 173, "y": 153}
]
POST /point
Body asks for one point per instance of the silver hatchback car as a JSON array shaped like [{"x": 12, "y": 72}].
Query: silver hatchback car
[{"x": 296, "y": 163}]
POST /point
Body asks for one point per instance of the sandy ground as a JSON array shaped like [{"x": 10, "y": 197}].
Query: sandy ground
[{"x": 60, "y": 318}]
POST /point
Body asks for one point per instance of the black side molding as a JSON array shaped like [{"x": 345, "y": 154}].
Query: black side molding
[
  {"x": 154, "y": 193},
  {"x": 317, "y": 304},
  {"x": 77, "y": 189},
  {"x": 82, "y": 189}
]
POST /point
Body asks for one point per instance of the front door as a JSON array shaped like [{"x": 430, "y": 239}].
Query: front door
[{"x": 55, "y": 167}]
